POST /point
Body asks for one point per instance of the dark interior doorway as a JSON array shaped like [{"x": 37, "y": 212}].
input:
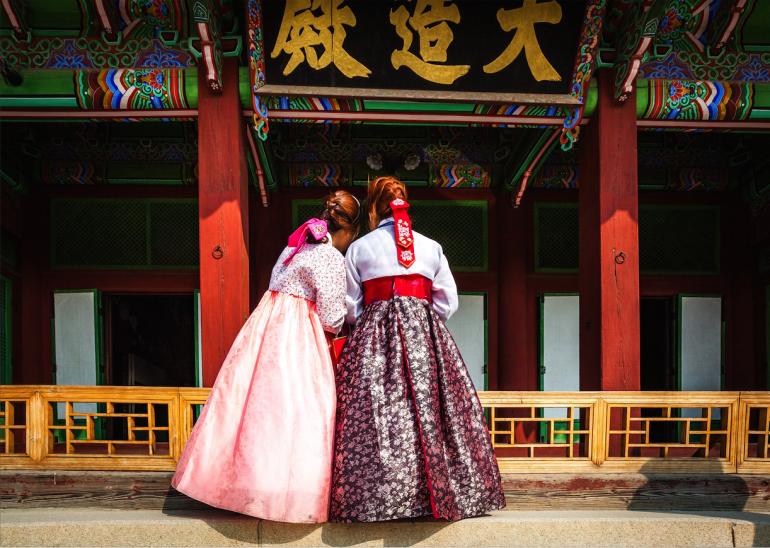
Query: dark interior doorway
[
  {"x": 151, "y": 340},
  {"x": 658, "y": 367}
]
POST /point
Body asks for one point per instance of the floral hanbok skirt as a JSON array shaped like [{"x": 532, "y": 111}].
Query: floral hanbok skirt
[
  {"x": 263, "y": 443},
  {"x": 411, "y": 439}
]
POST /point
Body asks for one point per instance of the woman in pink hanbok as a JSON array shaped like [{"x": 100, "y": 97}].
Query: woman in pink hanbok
[{"x": 264, "y": 441}]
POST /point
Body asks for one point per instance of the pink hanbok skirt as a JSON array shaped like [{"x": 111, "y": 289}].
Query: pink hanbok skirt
[{"x": 263, "y": 443}]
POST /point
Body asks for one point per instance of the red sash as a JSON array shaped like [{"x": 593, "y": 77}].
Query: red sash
[{"x": 384, "y": 289}]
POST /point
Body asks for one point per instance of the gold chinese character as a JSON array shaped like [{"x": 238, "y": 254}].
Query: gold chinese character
[
  {"x": 302, "y": 31},
  {"x": 523, "y": 20},
  {"x": 429, "y": 21}
]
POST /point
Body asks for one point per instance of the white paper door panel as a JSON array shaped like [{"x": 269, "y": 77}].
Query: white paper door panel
[{"x": 468, "y": 330}]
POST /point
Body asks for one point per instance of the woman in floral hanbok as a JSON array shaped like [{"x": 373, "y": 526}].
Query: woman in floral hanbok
[
  {"x": 411, "y": 439},
  {"x": 263, "y": 443}
]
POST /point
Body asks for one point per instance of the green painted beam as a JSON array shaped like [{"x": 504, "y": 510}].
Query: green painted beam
[
  {"x": 55, "y": 88},
  {"x": 591, "y": 98},
  {"x": 15, "y": 184},
  {"x": 642, "y": 98},
  {"x": 412, "y": 106},
  {"x": 191, "y": 87},
  {"x": 244, "y": 87},
  {"x": 38, "y": 102},
  {"x": 528, "y": 153},
  {"x": 761, "y": 96},
  {"x": 41, "y": 82}
]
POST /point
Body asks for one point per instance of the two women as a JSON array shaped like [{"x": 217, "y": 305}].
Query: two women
[{"x": 410, "y": 433}]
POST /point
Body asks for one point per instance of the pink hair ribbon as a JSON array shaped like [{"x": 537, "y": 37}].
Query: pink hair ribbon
[{"x": 317, "y": 228}]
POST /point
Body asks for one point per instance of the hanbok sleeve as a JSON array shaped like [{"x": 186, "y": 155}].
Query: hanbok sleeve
[
  {"x": 355, "y": 296},
  {"x": 444, "y": 292},
  {"x": 330, "y": 294}
]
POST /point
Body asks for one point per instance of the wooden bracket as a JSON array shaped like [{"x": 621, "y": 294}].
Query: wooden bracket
[
  {"x": 14, "y": 11},
  {"x": 726, "y": 21},
  {"x": 108, "y": 19},
  {"x": 585, "y": 63},
  {"x": 207, "y": 25},
  {"x": 634, "y": 39}
]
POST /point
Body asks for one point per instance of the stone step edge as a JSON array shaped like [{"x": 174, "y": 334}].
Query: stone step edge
[{"x": 90, "y": 527}]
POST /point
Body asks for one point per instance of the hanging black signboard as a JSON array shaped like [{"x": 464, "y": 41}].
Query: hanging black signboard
[{"x": 482, "y": 50}]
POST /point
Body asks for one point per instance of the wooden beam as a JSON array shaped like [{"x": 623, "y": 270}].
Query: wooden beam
[
  {"x": 207, "y": 24},
  {"x": 223, "y": 207},
  {"x": 609, "y": 247}
]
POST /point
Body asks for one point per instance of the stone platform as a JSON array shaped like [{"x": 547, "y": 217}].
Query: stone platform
[{"x": 97, "y": 527}]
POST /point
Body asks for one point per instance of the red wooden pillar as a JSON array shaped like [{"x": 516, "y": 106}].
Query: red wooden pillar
[
  {"x": 743, "y": 367},
  {"x": 609, "y": 246},
  {"x": 513, "y": 370},
  {"x": 223, "y": 211},
  {"x": 36, "y": 303}
]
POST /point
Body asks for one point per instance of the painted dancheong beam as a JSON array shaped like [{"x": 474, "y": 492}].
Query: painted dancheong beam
[{"x": 174, "y": 89}]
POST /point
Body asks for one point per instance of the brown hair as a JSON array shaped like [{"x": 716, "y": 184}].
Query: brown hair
[
  {"x": 382, "y": 191},
  {"x": 341, "y": 211}
]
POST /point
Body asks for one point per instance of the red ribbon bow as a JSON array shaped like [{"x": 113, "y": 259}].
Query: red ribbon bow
[
  {"x": 402, "y": 228},
  {"x": 317, "y": 228}
]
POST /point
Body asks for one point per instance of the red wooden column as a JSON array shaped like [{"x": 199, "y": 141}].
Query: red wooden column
[
  {"x": 743, "y": 363},
  {"x": 223, "y": 210},
  {"x": 609, "y": 246},
  {"x": 36, "y": 303},
  {"x": 513, "y": 371}
]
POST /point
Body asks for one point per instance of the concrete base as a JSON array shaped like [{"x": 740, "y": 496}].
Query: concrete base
[{"x": 92, "y": 527}]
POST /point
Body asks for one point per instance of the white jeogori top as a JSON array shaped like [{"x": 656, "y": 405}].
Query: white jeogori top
[
  {"x": 316, "y": 273},
  {"x": 374, "y": 256}
]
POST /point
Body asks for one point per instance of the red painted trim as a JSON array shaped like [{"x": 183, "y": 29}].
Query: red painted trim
[
  {"x": 257, "y": 168},
  {"x": 704, "y": 124},
  {"x": 409, "y": 117},
  {"x": 531, "y": 166},
  {"x": 15, "y": 114},
  {"x": 406, "y": 117},
  {"x": 670, "y": 286},
  {"x": 118, "y": 191},
  {"x": 124, "y": 281}
]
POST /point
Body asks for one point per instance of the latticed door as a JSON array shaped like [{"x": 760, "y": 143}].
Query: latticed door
[{"x": 78, "y": 354}]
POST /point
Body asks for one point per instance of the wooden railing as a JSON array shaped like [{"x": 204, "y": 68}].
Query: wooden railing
[{"x": 142, "y": 428}]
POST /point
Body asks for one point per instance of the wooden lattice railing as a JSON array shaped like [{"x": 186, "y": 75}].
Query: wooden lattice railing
[{"x": 143, "y": 428}]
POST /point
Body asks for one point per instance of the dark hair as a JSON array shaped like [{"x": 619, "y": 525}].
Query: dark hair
[
  {"x": 382, "y": 191},
  {"x": 341, "y": 212}
]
